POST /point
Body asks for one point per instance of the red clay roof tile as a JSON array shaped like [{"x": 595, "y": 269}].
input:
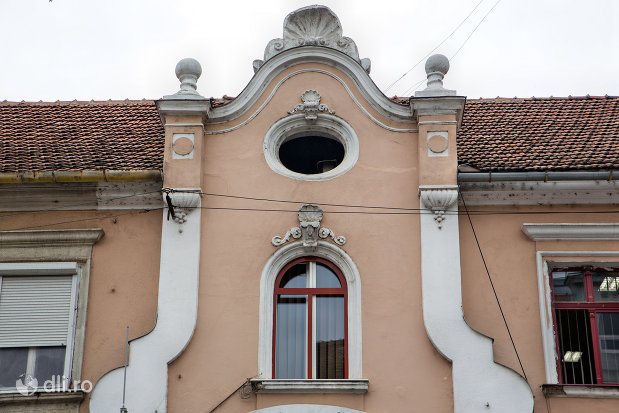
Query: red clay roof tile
[{"x": 535, "y": 134}]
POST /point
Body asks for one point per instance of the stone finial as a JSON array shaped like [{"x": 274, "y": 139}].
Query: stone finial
[
  {"x": 312, "y": 26},
  {"x": 188, "y": 70},
  {"x": 437, "y": 67}
]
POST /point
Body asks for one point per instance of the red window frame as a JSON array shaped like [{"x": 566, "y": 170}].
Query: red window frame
[
  {"x": 311, "y": 292},
  {"x": 592, "y": 308}
]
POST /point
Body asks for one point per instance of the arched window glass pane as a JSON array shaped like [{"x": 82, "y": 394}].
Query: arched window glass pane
[
  {"x": 325, "y": 278},
  {"x": 330, "y": 334},
  {"x": 295, "y": 277},
  {"x": 291, "y": 337}
]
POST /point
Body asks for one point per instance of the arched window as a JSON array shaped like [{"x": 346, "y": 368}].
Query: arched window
[
  {"x": 310, "y": 326},
  {"x": 338, "y": 262}
]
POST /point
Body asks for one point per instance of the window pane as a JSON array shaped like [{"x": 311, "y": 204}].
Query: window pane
[
  {"x": 330, "y": 337},
  {"x": 49, "y": 361},
  {"x": 12, "y": 365},
  {"x": 295, "y": 277},
  {"x": 325, "y": 278},
  {"x": 575, "y": 346},
  {"x": 608, "y": 329},
  {"x": 568, "y": 286},
  {"x": 291, "y": 337},
  {"x": 606, "y": 286}
]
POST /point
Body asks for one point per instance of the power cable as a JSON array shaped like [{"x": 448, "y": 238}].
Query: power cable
[
  {"x": 78, "y": 205},
  {"x": 474, "y": 30},
  {"x": 416, "y": 86},
  {"x": 431, "y": 51},
  {"x": 494, "y": 289},
  {"x": 134, "y": 212}
]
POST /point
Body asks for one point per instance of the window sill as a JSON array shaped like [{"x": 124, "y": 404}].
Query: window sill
[
  {"x": 591, "y": 391},
  {"x": 353, "y": 386}
]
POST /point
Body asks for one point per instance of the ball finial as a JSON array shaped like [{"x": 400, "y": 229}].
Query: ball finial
[
  {"x": 188, "y": 70},
  {"x": 437, "y": 63}
]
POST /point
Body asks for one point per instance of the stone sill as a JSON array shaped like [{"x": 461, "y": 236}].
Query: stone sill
[
  {"x": 351, "y": 386},
  {"x": 591, "y": 391}
]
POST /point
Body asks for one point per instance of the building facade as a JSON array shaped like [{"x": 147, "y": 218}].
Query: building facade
[{"x": 310, "y": 246}]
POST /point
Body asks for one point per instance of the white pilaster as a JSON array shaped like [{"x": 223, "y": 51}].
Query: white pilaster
[
  {"x": 479, "y": 384},
  {"x": 147, "y": 371}
]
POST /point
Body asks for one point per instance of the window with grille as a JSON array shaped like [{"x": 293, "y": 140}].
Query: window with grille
[
  {"x": 585, "y": 305},
  {"x": 310, "y": 321}
]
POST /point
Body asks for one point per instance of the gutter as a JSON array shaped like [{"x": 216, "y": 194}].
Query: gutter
[
  {"x": 538, "y": 176},
  {"x": 109, "y": 175}
]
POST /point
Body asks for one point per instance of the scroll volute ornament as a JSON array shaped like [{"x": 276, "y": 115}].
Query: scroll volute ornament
[{"x": 309, "y": 229}]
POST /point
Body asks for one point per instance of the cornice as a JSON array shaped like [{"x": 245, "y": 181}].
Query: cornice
[
  {"x": 572, "y": 232},
  {"x": 309, "y": 54},
  {"x": 60, "y": 237}
]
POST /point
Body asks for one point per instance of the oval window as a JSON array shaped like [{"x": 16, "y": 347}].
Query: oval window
[
  {"x": 321, "y": 149},
  {"x": 311, "y": 154}
]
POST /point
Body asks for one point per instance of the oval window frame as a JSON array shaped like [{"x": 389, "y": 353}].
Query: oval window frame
[{"x": 325, "y": 125}]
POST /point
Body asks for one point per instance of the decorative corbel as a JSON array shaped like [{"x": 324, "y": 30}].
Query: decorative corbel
[
  {"x": 438, "y": 199},
  {"x": 311, "y": 105},
  {"x": 181, "y": 202},
  {"x": 309, "y": 229}
]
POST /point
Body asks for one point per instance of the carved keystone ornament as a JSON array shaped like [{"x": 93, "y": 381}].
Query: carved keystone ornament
[
  {"x": 438, "y": 199},
  {"x": 309, "y": 229},
  {"x": 311, "y": 105}
]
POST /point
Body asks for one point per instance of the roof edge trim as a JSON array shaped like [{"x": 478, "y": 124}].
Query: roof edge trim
[
  {"x": 81, "y": 176},
  {"x": 538, "y": 176},
  {"x": 310, "y": 54}
]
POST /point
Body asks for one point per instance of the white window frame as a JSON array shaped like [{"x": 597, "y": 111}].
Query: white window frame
[
  {"x": 355, "y": 383},
  {"x": 49, "y": 269},
  {"x": 32, "y": 249},
  {"x": 546, "y": 261}
]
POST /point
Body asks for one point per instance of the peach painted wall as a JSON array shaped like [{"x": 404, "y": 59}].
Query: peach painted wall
[
  {"x": 403, "y": 367},
  {"x": 123, "y": 279},
  {"x": 511, "y": 260}
]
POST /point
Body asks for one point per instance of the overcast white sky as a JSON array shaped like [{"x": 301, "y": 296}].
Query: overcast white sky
[{"x": 117, "y": 49}]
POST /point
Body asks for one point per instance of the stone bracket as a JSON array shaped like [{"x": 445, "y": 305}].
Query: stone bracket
[
  {"x": 438, "y": 199},
  {"x": 181, "y": 202}
]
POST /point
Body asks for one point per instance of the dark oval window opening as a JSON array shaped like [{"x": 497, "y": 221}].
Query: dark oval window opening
[{"x": 311, "y": 154}]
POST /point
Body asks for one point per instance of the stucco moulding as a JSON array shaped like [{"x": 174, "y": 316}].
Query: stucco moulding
[
  {"x": 572, "y": 232},
  {"x": 50, "y": 237},
  {"x": 183, "y": 202},
  {"x": 311, "y": 105},
  {"x": 438, "y": 199},
  {"x": 312, "y": 26},
  {"x": 309, "y": 229}
]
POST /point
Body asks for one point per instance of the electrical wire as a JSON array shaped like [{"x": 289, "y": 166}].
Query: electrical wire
[
  {"x": 390, "y": 210},
  {"x": 133, "y": 212},
  {"x": 78, "y": 205},
  {"x": 474, "y": 30},
  {"x": 416, "y": 86},
  {"x": 431, "y": 51},
  {"x": 493, "y": 288},
  {"x": 415, "y": 212}
]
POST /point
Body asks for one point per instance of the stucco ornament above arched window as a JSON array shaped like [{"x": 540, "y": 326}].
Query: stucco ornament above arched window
[{"x": 311, "y": 251}]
